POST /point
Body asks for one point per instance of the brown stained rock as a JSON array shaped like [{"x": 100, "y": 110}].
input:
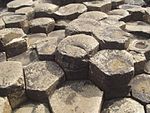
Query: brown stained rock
[
  {"x": 139, "y": 87},
  {"x": 99, "y": 5},
  {"x": 111, "y": 69},
  {"x": 112, "y": 38},
  {"x": 42, "y": 25},
  {"x": 61, "y": 24},
  {"x": 16, "y": 21},
  {"x": 42, "y": 78},
  {"x": 4, "y": 105},
  {"x": 12, "y": 82},
  {"x": 25, "y": 58},
  {"x": 148, "y": 108},
  {"x": 2, "y": 56},
  {"x": 16, "y": 4},
  {"x": 28, "y": 11},
  {"x": 147, "y": 15},
  {"x": 45, "y": 9},
  {"x": 73, "y": 53},
  {"x": 96, "y": 15},
  {"x": 123, "y": 105},
  {"x": 2, "y": 24},
  {"x": 70, "y": 11},
  {"x": 86, "y": 26},
  {"x": 77, "y": 97}
]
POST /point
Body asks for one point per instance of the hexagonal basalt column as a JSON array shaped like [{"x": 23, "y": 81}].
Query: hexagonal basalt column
[
  {"x": 147, "y": 67},
  {"x": 70, "y": 11},
  {"x": 2, "y": 24},
  {"x": 2, "y": 56},
  {"x": 42, "y": 25},
  {"x": 111, "y": 69},
  {"x": 148, "y": 108},
  {"x": 77, "y": 97},
  {"x": 73, "y": 53},
  {"x": 42, "y": 78},
  {"x": 123, "y": 105},
  {"x": 116, "y": 3},
  {"x": 4, "y": 105},
  {"x": 147, "y": 15},
  {"x": 12, "y": 82},
  {"x": 139, "y": 87}
]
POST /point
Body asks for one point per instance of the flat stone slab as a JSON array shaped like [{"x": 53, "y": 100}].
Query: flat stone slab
[
  {"x": 42, "y": 78},
  {"x": 42, "y": 25},
  {"x": 148, "y": 108},
  {"x": 123, "y": 105},
  {"x": 70, "y": 11},
  {"x": 109, "y": 67},
  {"x": 12, "y": 82},
  {"x": 77, "y": 97},
  {"x": 96, "y": 15},
  {"x": 139, "y": 88},
  {"x": 4, "y": 105}
]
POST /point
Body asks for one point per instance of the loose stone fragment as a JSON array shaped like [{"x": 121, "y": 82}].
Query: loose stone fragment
[
  {"x": 123, "y": 105},
  {"x": 140, "y": 46},
  {"x": 73, "y": 53},
  {"x": 45, "y": 9},
  {"x": 86, "y": 26},
  {"x": 96, "y": 15},
  {"x": 2, "y": 24},
  {"x": 12, "y": 82},
  {"x": 28, "y": 11},
  {"x": 70, "y": 11},
  {"x": 32, "y": 108},
  {"x": 148, "y": 108},
  {"x": 77, "y": 97},
  {"x": 116, "y": 3},
  {"x": 42, "y": 78},
  {"x": 139, "y": 87},
  {"x": 25, "y": 58},
  {"x": 147, "y": 15},
  {"x": 99, "y": 5},
  {"x": 112, "y": 38},
  {"x": 4, "y": 105},
  {"x": 2, "y": 56},
  {"x": 111, "y": 69},
  {"x": 61, "y": 24},
  {"x": 16, "y": 21},
  {"x": 147, "y": 67},
  {"x": 16, "y": 4},
  {"x": 42, "y": 25}
]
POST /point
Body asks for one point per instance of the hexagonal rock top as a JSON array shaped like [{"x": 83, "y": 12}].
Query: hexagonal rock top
[
  {"x": 139, "y": 87},
  {"x": 111, "y": 69},
  {"x": 70, "y": 11},
  {"x": 77, "y": 97},
  {"x": 42, "y": 25},
  {"x": 4, "y": 105},
  {"x": 125, "y": 105},
  {"x": 41, "y": 78},
  {"x": 12, "y": 82}
]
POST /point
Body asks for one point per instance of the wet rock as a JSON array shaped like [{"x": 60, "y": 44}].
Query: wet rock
[
  {"x": 123, "y": 105},
  {"x": 148, "y": 108},
  {"x": 25, "y": 58},
  {"x": 42, "y": 25},
  {"x": 99, "y": 5},
  {"x": 73, "y": 53},
  {"x": 61, "y": 24},
  {"x": 4, "y": 105},
  {"x": 116, "y": 3},
  {"x": 86, "y": 26},
  {"x": 28, "y": 11},
  {"x": 42, "y": 78},
  {"x": 16, "y": 4},
  {"x": 70, "y": 11},
  {"x": 74, "y": 95},
  {"x": 2, "y": 24},
  {"x": 112, "y": 38},
  {"x": 12, "y": 82},
  {"x": 96, "y": 15},
  {"x": 45, "y": 9},
  {"x": 147, "y": 67},
  {"x": 16, "y": 21},
  {"x": 2, "y": 56},
  {"x": 109, "y": 67},
  {"x": 147, "y": 15},
  {"x": 139, "y": 87}
]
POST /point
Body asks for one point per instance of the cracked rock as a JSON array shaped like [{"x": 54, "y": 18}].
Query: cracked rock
[
  {"x": 42, "y": 78},
  {"x": 2, "y": 56},
  {"x": 4, "y": 105},
  {"x": 109, "y": 67},
  {"x": 96, "y": 15},
  {"x": 73, "y": 52},
  {"x": 148, "y": 108},
  {"x": 70, "y": 11},
  {"x": 12, "y": 82},
  {"x": 139, "y": 87},
  {"x": 99, "y": 5},
  {"x": 42, "y": 25},
  {"x": 123, "y": 105},
  {"x": 77, "y": 97}
]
